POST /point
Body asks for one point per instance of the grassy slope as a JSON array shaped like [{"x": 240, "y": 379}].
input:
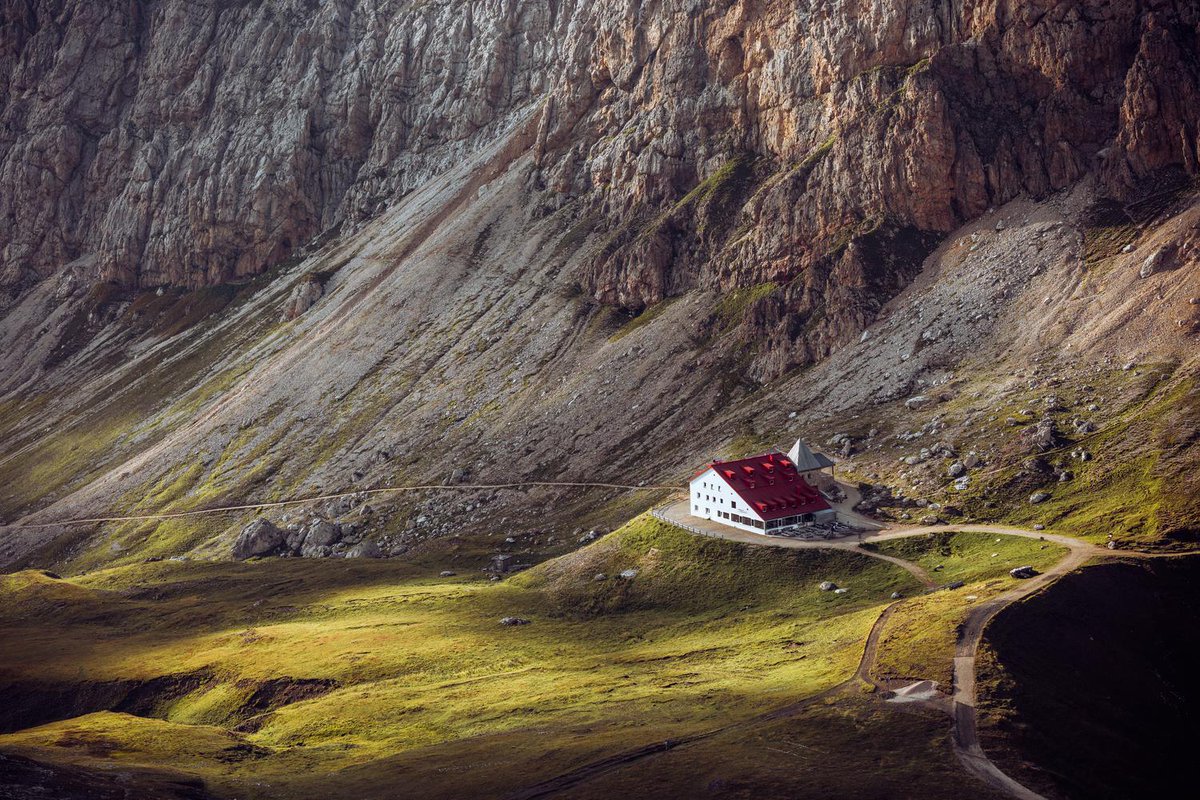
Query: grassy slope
[
  {"x": 859, "y": 749},
  {"x": 918, "y": 642},
  {"x": 428, "y": 681},
  {"x": 1089, "y": 685}
]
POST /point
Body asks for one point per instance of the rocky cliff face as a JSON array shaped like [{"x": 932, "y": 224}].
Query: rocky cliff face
[
  {"x": 814, "y": 150},
  {"x": 190, "y": 143}
]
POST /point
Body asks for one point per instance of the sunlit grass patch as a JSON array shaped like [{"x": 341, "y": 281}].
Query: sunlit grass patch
[{"x": 342, "y": 664}]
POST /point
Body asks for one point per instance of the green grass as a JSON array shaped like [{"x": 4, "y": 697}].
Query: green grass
[
  {"x": 970, "y": 557},
  {"x": 707, "y": 632},
  {"x": 857, "y": 749},
  {"x": 1141, "y": 489},
  {"x": 918, "y": 641}
]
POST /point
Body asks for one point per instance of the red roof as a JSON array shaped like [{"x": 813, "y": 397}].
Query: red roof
[{"x": 770, "y": 485}]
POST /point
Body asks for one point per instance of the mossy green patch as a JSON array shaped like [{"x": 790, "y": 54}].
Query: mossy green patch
[
  {"x": 643, "y": 319},
  {"x": 970, "y": 556},
  {"x": 731, "y": 309}
]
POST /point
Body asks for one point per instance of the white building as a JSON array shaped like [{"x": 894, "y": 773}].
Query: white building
[{"x": 764, "y": 493}]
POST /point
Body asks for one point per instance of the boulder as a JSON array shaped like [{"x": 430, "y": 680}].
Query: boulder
[
  {"x": 896, "y": 595},
  {"x": 956, "y": 469},
  {"x": 1152, "y": 264},
  {"x": 259, "y": 538},
  {"x": 1044, "y": 436},
  {"x": 513, "y": 621},
  {"x": 367, "y": 549},
  {"x": 599, "y": 576},
  {"x": 1039, "y": 497},
  {"x": 447, "y": 573},
  {"x": 917, "y": 402},
  {"x": 320, "y": 532},
  {"x": 628, "y": 573},
  {"x": 1023, "y": 572},
  {"x": 828, "y": 586}
]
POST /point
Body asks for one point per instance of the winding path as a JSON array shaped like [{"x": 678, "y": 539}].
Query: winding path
[{"x": 965, "y": 732}]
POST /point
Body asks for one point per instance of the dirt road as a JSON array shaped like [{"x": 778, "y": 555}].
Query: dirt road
[{"x": 965, "y": 727}]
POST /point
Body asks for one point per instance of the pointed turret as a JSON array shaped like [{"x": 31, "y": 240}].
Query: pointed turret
[{"x": 806, "y": 460}]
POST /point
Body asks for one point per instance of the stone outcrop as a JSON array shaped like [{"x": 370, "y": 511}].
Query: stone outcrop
[{"x": 261, "y": 537}]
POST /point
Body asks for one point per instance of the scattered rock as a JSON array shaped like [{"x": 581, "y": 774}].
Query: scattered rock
[
  {"x": 840, "y": 591},
  {"x": 1039, "y": 497},
  {"x": 628, "y": 573},
  {"x": 917, "y": 402},
  {"x": 599, "y": 576},
  {"x": 971, "y": 461},
  {"x": 956, "y": 469},
  {"x": 1039, "y": 527}
]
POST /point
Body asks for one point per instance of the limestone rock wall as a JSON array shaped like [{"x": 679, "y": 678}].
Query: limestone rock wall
[{"x": 814, "y": 150}]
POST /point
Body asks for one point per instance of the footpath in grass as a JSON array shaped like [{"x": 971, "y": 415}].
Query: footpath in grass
[{"x": 919, "y": 640}]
